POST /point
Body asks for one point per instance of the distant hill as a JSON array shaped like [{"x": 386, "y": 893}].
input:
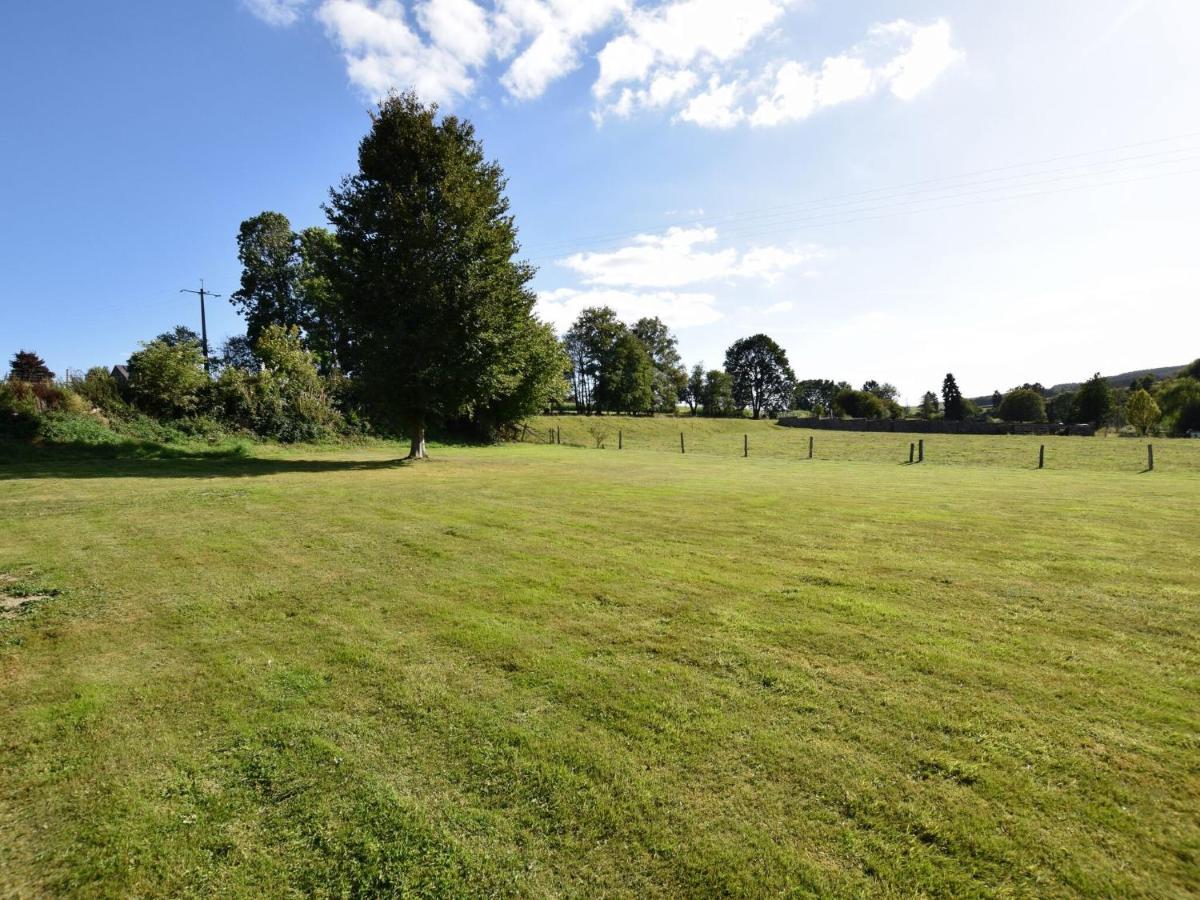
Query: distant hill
[{"x": 1118, "y": 381}]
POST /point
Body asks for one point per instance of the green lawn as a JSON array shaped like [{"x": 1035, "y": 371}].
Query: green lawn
[
  {"x": 544, "y": 670},
  {"x": 725, "y": 438}
]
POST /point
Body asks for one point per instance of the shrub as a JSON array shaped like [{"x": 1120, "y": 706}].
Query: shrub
[
  {"x": 1141, "y": 411},
  {"x": 287, "y": 400},
  {"x": 859, "y": 405},
  {"x": 1180, "y": 403},
  {"x": 99, "y": 388},
  {"x": 166, "y": 380},
  {"x": 1022, "y": 405}
]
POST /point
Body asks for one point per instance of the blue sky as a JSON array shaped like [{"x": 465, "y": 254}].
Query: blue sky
[{"x": 891, "y": 189}]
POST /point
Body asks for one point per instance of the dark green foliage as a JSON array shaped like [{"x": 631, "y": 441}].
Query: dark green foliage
[
  {"x": 695, "y": 387},
  {"x": 815, "y": 394},
  {"x": 588, "y": 343},
  {"x": 930, "y": 405},
  {"x": 716, "y": 397},
  {"x": 1094, "y": 401},
  {"x": 860, "y": 405},
  {"x": 885, "y": 392},
  {"x": 997, "y": 399},
  {"x": 238, "y": 353},
  {"x": 28, "y": 366},
  {"x": 287, "y": 400},
  {"x": 167, "y": 381},
  {"x": 627, "y": 377},
  {"x": 763, "y": 380},
  {"x": 1191, "y": 371},
  {"x": 670, "y": 377},
  {"x": 269, "y": 252},
  {"x": 1061, "y": 408},
  {"x": 1179, "y": 400},
  {"x": 290, "y": 279},
  {"x": 100, "y": 389},
  {"x": 432, "y": 299},
  {"x": 180, "y": 334},
  {"x": 1022, "y": 405},
  {"x": 953, "y": 406}
]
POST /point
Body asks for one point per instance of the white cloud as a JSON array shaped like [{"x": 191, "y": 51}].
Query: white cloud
[
  {"x": 929, "y": 54},
  {"x": 676, "y": 34},
  {"x": 279, "y": 13},
  {"x": 899, "y": 56},
  {"x": 674, "y": 259},
  {"x": 685, "y": 57},
  {"x": 679, "y": 310},
  {"x": 715, "y": 107},
  {"x": 782, "y": 307},
  {"x": 558, "y": 28},
  {"x": 383, "y": 52},
  {"x": 459, "y": 27}
]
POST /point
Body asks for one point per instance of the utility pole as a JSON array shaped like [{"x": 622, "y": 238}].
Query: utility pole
[{"x": 203, "y": 324}]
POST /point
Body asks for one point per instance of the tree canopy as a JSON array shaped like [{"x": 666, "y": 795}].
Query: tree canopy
[
  {"x": 1022, "y": 405},
  {"x": 763, "y": 380},
  {"x": 1141, "y": 411},
  {"x": 953, "y": 407},
  {"x": 1094, "y": 401},
  {"x": 436, "y": 307},
  {"x": 28, "y": 366}
]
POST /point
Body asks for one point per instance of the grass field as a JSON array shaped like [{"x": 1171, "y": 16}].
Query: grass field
[
  {"x": 543, "y": 670},
  {"x": 724, "y": 438}
]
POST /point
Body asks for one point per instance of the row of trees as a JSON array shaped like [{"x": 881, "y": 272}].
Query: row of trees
[{"x": 636, "y": 369}]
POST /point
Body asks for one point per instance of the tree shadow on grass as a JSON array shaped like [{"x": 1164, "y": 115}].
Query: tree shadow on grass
[{"x": 143, "y": 459}]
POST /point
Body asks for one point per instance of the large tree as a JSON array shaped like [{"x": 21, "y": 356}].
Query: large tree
[
  {"x": 1021, "y": 405},
  {"x": 1094, "y": 401},
  {"x": 435, "y": 304},
  {"x": 291, "y": 280},
  {"x": 717, "y": 395},
  {"x": 762, "y": 378},
  {"x": 670, "y": 377},
  {"x": 627, "y": 377},
  {"x": 885, "y": 392},
  {"x": 589, "y": 343},
  {"x": 695, "y": 387},
  {"x": 815, "y": 394},
  {"x": 28, "y": 366},
  {"x": 269, "y": 252},
  {"x": 929, "y": 405},
  {"x": 953, "y": 407}
]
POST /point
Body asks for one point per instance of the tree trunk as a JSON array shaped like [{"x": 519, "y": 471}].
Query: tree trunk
[{"x": 417, "y": 450}]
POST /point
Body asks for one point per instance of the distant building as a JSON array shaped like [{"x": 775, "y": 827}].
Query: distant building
[{"x": 121, "y": 375}]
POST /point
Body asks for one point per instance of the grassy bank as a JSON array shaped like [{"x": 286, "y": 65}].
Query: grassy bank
[
  {"x": 547, "y": 670},
  {"x": 724, "y": 438}
]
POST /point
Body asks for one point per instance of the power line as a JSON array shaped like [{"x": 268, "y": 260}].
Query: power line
[
  {"x": 816, "y": 216},
  {"x": 920, "y": 186}
]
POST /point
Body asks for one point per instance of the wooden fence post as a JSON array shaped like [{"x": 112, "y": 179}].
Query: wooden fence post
[
  {"x": 620, "y": 440},
  {"x": 551, "y": 435},
  {"x": 560, "y": 434},
  {"x": 1150, "y": 457},
  {"x": 912, "y": 453},
  {"x": 1042, "y": 457},
  {"x": 745, "y": 445},
  {"x": 810, "y": 446},
  {"x": 921, "y": 450},
  {"x": 681, "y": 448}
]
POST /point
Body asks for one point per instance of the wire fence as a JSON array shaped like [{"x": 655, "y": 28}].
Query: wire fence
[{"x": 767, "y": 441}]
